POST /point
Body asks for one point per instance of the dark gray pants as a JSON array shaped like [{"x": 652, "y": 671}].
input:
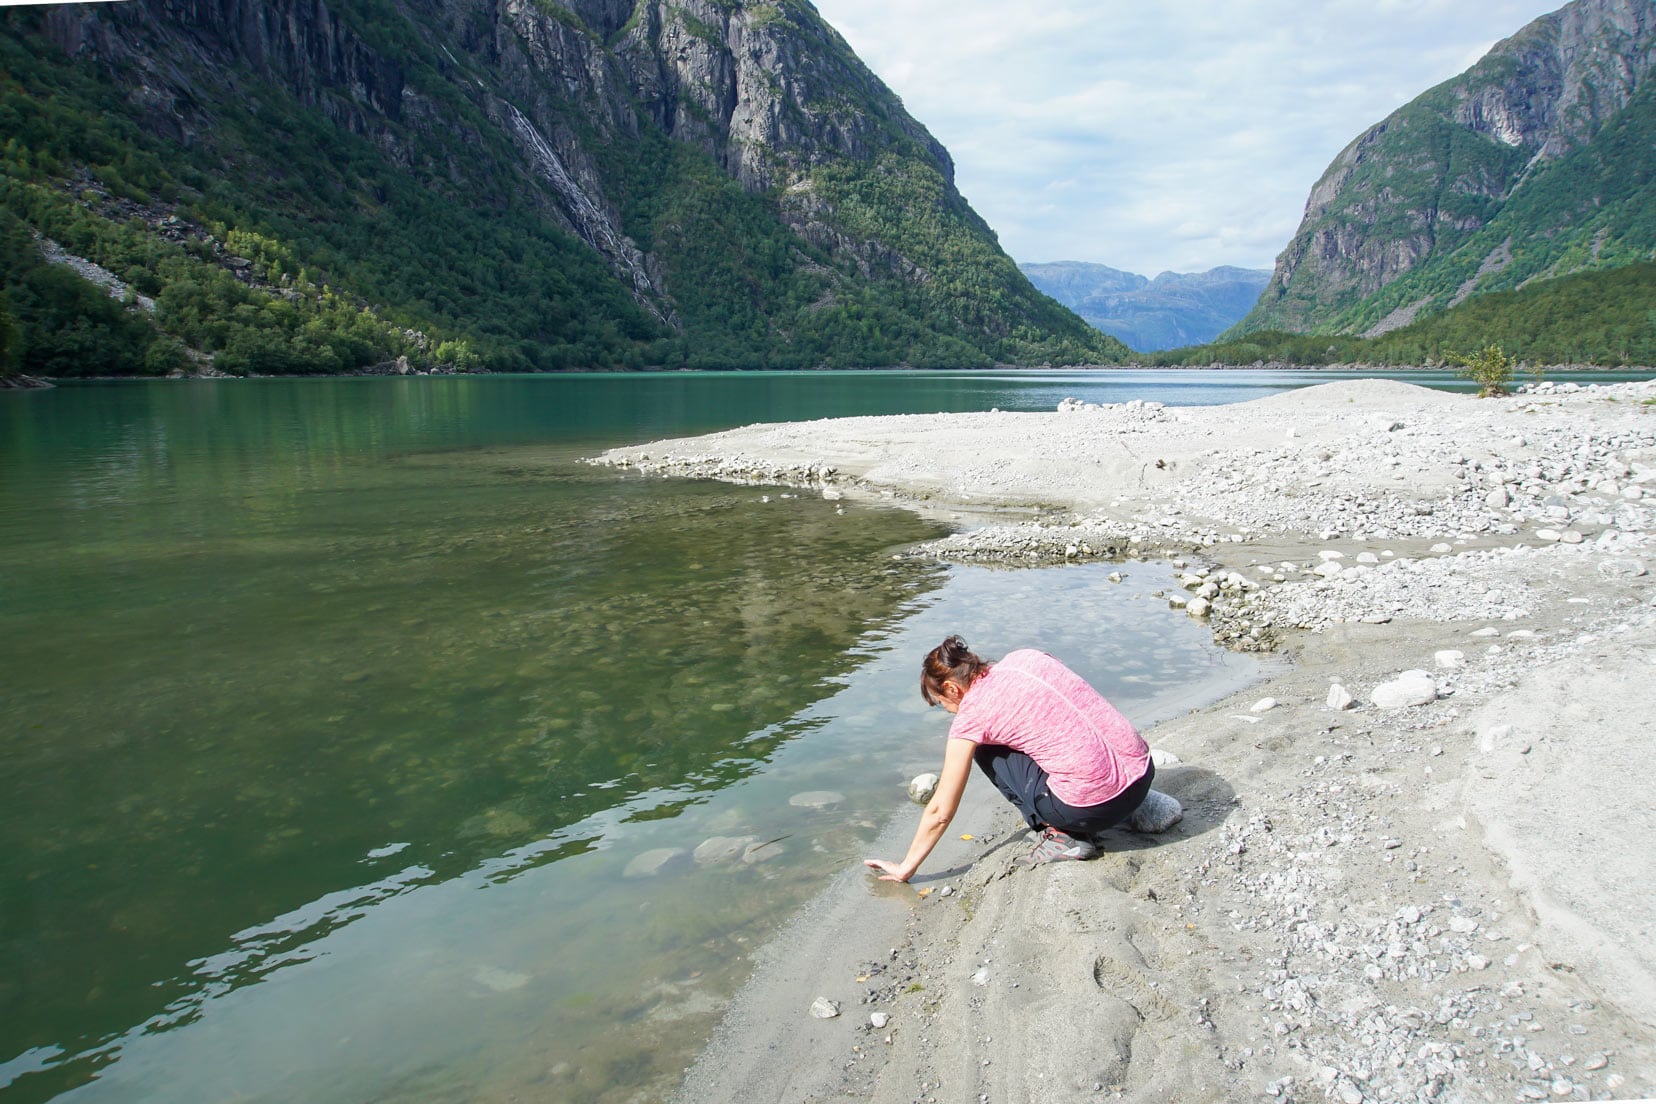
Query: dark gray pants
[{"x": 1024, "y": 783}]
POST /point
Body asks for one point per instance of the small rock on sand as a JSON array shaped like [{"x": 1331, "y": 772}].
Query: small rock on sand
[
  {"x": 878, "y": 1020},
  {"x": 824, "y": 1009},
  {"x": 1156, "y": 813},
  {"x": 1339, "y": 697},
  {"x": 1408, "y": 688},
  {"x": 1263, "y": 705}
]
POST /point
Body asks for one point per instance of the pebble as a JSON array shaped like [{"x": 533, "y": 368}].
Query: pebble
[
  {"x": 1339, "y": 698},
  {"x": 824, "y": 1009},
  {"x": 921, "y": 787},
  {"x": 1263, "y": 705},
  {"x": 878, "y": 1020}
]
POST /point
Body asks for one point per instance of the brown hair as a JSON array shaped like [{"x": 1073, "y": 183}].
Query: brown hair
[{"x": 950, "y": 661}]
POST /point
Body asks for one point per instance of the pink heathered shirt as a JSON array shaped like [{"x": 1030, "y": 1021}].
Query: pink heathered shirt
[{"x": 1034, "y": 704}]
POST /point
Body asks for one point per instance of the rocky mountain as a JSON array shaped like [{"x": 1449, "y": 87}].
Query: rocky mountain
[
  {"x": 1534, "y": 163},
  {"x": 1172, "y": 310},
  {"x": 518, "y": 183}
]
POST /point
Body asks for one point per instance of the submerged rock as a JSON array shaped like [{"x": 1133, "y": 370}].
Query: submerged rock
[
  {"x": 650, "y": 862},
  {"x": 761, "y": 852},
  {"x": 721, "y": 849},
  {"x": 816, "y": 799}
]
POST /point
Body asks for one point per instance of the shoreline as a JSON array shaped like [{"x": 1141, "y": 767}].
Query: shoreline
[
  {"x": 381, "y": 371},
  {"x": 1446, "y": 900}
]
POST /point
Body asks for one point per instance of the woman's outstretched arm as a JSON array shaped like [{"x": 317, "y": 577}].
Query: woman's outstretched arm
[{"x": 951, "y": 784}]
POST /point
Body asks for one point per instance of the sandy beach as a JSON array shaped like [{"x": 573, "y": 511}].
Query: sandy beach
[{"x": 1416, "y": 863}]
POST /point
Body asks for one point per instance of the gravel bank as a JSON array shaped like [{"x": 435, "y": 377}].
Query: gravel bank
[{"x": 1422, "y": 872}]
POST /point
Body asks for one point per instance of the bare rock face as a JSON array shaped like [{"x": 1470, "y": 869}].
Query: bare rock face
[{"x": 768, "y": 88}]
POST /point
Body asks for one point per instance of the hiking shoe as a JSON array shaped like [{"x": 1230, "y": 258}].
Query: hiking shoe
[{"x": 1056, "y": 846}]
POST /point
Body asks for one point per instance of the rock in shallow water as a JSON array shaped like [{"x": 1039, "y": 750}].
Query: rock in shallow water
[
  {"x": 921, "y": 787},
  {"x": 762, "y": 852},
  {"x": 816, "y": 799},
  {"x": 721, "y": 849},
  {"x": 650, "y": 862}
]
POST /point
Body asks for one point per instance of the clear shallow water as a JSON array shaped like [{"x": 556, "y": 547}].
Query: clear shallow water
[{"x": 336, "y": 711}]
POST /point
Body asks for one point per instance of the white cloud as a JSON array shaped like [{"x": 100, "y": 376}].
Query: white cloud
[{"x": 1177, "y": 135}]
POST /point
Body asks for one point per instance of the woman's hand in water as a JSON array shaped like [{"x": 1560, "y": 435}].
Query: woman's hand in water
[{"x": 889, "y": 871}]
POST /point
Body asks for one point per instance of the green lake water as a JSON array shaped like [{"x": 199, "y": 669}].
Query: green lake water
[{"x": 345, "y": 721}]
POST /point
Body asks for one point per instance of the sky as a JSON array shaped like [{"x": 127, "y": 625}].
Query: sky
[{"x": 1159, "y": 135}]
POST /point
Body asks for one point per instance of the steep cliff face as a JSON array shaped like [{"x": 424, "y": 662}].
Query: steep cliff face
[
  {"x": 751, "y": 187},
  {"x": 1474, "y": 185}
]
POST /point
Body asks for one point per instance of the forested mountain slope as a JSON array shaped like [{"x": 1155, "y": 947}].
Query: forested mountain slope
[
  {"x": 1537, "y": 162},
  {"x": 321, "y": 185}
]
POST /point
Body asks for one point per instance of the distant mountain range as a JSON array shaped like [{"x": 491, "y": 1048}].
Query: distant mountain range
[
  {"x": 1534, "y": 164},
  {"x": 1170, "y": 311}
]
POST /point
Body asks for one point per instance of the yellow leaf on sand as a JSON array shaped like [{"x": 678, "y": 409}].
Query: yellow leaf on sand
[
  {"x": 924, "y": 892},
  {"x": 967, "y": 836}
]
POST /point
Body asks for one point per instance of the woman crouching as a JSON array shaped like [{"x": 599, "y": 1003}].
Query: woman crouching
[{"x": 1069, "y": 761}]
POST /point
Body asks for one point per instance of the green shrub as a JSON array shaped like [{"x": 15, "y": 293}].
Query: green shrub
[{"x": 1491, "y": 369}]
